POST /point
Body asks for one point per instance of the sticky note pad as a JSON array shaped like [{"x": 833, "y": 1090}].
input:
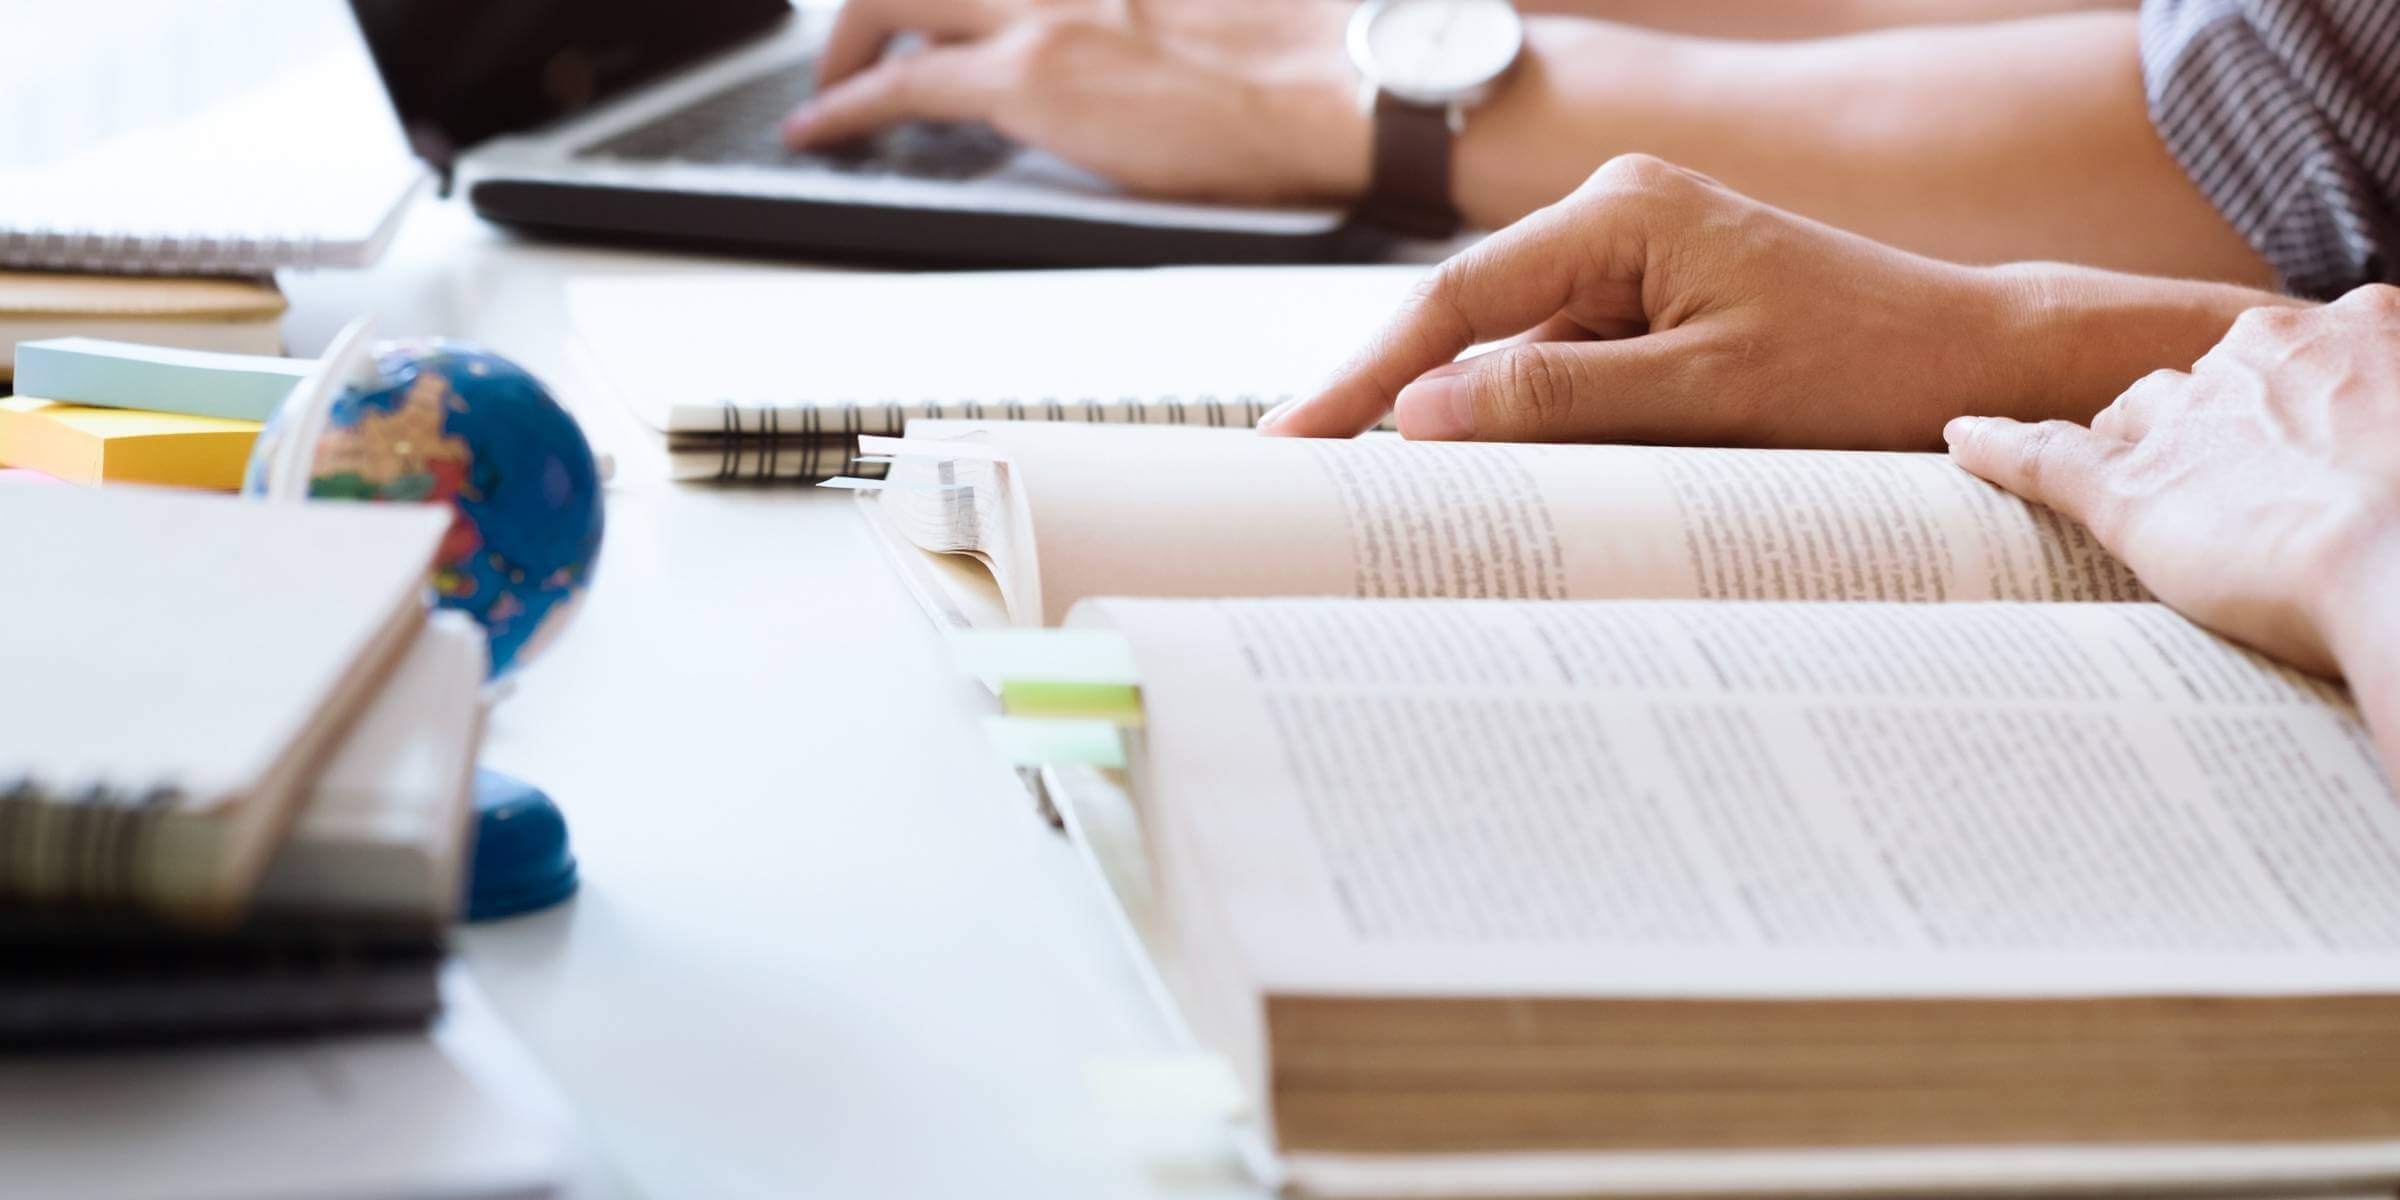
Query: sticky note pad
[
  {"x": 200, "y": 383},
  {"x": 85, "y": 445}
]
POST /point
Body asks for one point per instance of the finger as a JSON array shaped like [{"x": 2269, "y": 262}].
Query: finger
[
  {"x": 1643, "y": 389},
  {"x": 1513, "y": 281},
  {"x": 2131, "y": 416},
  {"x": 862, "y": 29},
  {"x": 2057, "y": 463},
  {"x": 1564, "y": 328},
  {"x": 940, "y": 84}
]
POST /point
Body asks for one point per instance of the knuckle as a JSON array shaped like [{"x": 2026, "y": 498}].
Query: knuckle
[
  {"x": 1441, "y": 283},
  {"x": 1443, "y": 291},
  {"x": 2268, "y": 319},
  {"x": 2036, "y": 453},
  {"x": 2159, "y": 382},
  {"x": 1050, "y": 42},
  {"x": 1529, "y": 388},
  {"x": 1029, "y": 51},
  {"x": 1640, "y": 175},
  {"x": 2381, "y": 300},
  {"x": 2112, "y": 420},
  {"x": 1637, "y": 170}
]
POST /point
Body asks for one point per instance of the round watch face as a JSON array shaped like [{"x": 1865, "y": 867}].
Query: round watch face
[{"x": 1435, "y": 51}]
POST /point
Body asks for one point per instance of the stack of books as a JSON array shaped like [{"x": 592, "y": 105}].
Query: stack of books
[
  {"x": 234, "y": 794},
  {"x": 76, "y": 418}
]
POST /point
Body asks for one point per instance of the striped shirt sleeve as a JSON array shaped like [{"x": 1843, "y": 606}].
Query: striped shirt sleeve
[{"x": 2287, "y": 115}]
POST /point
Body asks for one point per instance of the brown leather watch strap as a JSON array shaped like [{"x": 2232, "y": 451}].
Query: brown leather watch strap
[{"x": 1408, "y": 191}]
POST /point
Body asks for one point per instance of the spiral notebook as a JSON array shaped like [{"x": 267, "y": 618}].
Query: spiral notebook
[
  {"x": 178, "y": 667},
  {"x": 304, "y": 166},
  {"x": 755, "y": 375},
  {"x": 233, "y": 222}
]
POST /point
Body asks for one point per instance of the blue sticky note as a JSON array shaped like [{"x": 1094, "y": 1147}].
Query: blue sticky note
[{"x": 76, "y": 370}]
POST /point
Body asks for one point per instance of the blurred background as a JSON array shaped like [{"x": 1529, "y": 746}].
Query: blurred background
[{"x": 85, "y": 72}]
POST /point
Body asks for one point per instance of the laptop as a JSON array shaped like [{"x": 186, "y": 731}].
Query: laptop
[{"x": 658, "y": 122}]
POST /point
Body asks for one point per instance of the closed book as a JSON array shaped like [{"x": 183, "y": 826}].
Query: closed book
[
  {"x": 180, "y": 668},
  {"x": 386, "y": 829},
  {"x": 79, "y": 444},
  {"x": 349, "y": 928},
  {"x": 72, "y": 983},
  {"x": 236, "y": 315}
]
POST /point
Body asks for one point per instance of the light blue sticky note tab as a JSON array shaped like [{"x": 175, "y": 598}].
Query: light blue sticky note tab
[
  {"x": 1056, "y": 741},
  {"x": 244, "y": 387},
  {"x": 1047, "y": 656}
]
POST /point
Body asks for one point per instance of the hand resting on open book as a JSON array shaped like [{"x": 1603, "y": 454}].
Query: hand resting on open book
[
  {"x": 1655, "y": 305},
  {"x": 2259, "y": 492}
]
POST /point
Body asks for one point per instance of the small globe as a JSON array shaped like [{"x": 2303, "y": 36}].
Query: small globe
[{"x": 453, "y": 423}]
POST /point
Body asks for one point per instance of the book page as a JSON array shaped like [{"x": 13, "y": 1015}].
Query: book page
[
  {"x": 1990, "y": 799},
  {"x": 1379, "y": 517}
]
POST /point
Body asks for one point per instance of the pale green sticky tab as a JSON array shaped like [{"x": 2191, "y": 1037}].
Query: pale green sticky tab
[
  {"x": 197, "y": 383},
  {"x": 1057, "y": 741},
  {"x": 1047, "y": 656},
  {"x": 1118, "y": 702}
]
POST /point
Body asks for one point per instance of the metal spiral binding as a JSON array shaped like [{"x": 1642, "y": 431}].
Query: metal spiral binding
[
  {"x": 79, "y": 845},
  {"x": 199, "y": 253},
  {"x": 809, "y": 447}
]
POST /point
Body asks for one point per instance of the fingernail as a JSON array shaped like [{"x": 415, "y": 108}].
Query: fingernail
[
  {"x": 795, "y": 129},
  {"x": 1958, "y": 429},
  {"x": 1267, "y": 419},
  {"x": 1438, "y": 407}
]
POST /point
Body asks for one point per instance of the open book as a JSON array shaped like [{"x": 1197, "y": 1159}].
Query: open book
[
  {"x": 1656, "y": 898},
  {"x": 1001, "y": 523}
]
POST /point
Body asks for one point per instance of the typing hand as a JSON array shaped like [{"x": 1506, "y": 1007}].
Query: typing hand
[
  {"x": 2258, "y": 493},
  {"x": 1655, "y": 305},
  {"x": 1242, "y": 100}
]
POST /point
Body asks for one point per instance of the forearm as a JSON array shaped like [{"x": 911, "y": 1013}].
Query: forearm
[
  {"x": 1774, "y": 19},
  {"x": 2030, "y": 140},
  {"x": 2075, "y": 338}
]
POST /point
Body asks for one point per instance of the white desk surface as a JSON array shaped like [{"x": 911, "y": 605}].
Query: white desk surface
[{"x": 823, "y": 946}]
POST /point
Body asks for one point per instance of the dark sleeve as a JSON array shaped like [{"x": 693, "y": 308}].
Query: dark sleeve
[{"x": 2286, "y": 113}]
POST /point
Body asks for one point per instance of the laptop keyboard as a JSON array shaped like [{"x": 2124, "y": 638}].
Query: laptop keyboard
[{"x": 742, "y": 124}]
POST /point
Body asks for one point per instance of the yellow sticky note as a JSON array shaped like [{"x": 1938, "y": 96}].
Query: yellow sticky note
[
  {"x": 1101, "y": 701},
  {"x": 114, "y": 445}
]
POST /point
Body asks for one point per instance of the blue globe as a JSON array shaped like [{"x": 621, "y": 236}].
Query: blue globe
[{"x": 451, "y": 423}]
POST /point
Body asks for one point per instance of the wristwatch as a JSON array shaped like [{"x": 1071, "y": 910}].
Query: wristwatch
[{"x": 1422, "y": 65}]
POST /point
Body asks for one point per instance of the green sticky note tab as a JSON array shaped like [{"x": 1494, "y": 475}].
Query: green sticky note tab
[
  {"x": 1047, "y": 656},
  {"x": 1118, "y": 702},
  {"x": 198, "y": 383},
  {"x": 1054, "y": 741}
]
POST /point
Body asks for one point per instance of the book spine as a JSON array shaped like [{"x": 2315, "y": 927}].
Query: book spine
[
  {"x": 156, "y": 254},
  {"x": 794, "y": 443}
]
